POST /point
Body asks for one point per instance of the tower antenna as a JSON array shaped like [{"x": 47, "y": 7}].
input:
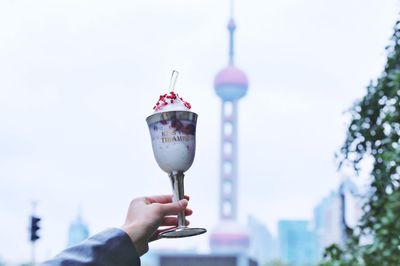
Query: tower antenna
[
  {"x": 231, "y": 8},
  {"x": 231, "y": 28}
]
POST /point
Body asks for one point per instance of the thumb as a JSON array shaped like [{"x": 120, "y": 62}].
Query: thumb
[{"x": 175, "y": 207}]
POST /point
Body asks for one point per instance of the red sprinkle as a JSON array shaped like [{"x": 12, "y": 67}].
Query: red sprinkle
[{"x": 172, "y": 96}]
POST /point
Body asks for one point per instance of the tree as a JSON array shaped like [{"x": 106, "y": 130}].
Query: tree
[{"x": 374, "y": 133}]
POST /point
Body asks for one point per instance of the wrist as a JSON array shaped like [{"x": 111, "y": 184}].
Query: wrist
[{"x": 134, "y": 233}]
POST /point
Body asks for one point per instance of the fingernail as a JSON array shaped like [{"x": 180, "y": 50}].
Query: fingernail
[{"x": 183, "y": 202}]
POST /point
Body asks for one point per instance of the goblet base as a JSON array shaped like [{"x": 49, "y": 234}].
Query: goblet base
[{"x": 182, "y": 232}]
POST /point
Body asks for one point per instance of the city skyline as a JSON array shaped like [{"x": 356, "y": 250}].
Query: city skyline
[{"x": 78, "y": 80}]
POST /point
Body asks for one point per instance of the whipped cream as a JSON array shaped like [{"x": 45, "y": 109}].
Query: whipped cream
[{"x": 171, "y": 102}]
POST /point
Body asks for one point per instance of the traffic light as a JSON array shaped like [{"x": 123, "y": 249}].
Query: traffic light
[{"x": 35, "y": 228}]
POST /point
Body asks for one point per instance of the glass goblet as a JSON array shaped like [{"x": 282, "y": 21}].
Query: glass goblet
[{"x": 173, "y": 138}]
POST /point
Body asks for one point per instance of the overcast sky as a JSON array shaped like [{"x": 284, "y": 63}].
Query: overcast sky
[{"x": 78, "y": 78}]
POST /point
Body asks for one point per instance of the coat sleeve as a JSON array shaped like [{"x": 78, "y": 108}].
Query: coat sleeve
[{"x": 110, "y": 247}]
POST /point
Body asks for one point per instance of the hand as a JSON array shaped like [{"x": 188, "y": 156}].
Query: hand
[{"x": 146, "y": 217}]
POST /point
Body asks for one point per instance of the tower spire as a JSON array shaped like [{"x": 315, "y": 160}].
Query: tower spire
[{"x": 231, "y": 29}]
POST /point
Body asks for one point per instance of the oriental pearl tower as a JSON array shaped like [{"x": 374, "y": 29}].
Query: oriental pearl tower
[{"x": 230, "y": 85}]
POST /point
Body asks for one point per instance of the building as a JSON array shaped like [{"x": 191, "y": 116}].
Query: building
[
  {"x": 336, "y": 213},
  {"x": 327, "y": 222},
  {"x": 78, "y": 231},
  {"x": 263, "y": 246},
  {"x": 159, "y": 258},
  {"x": 297, "y": 243}
]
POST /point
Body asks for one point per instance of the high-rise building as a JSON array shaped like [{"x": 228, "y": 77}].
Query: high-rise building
[
  {"x": 336, "y": 213},
  {"x": 78, "y": 231},
  {"x": 327, "y": 222},
  {"x": 263, "y": 246},
  {"x": 230, "y": 85},
  {"x": 297, "y": 243}
]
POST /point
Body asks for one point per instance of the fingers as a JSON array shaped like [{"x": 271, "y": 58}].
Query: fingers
[
  {"x": 172, "y": 221},
  {"x": 162, "y": 199},
  {"x": 156, "y": 235},
  {"x": 159, "y": 199},
  {"x": 174, "y": 208},
  {"x": 188, "y": 212}
]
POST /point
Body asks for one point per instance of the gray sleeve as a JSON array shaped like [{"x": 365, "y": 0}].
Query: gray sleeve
[{"x": 112, "y": 247}]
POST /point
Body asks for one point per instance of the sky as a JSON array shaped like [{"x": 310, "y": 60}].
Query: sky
[{"x": 78, "y": 79}]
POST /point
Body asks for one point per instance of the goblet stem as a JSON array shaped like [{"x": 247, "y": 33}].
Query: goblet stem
[{"x": 179, "y": 192}]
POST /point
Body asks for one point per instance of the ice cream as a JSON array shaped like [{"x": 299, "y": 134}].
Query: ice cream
[
  {"x": 173, "y": 137},
  {"x": 171, "y": 102},
  {"x": 173, "y": 133}
]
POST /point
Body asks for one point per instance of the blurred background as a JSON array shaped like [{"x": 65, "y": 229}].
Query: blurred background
[{"x": 78, "y": 79}]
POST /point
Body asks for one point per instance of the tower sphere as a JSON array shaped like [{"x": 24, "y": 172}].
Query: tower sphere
[{"x": 231, "y": 83}]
